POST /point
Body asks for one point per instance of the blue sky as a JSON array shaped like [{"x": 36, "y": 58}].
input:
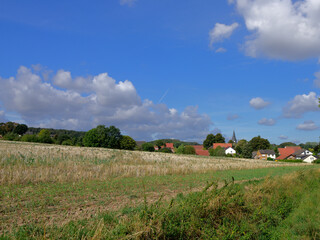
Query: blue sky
[{"x": 176, "y": 69}]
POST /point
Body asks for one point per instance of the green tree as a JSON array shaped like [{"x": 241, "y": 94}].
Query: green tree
[
  {"x": 127, "y": 143},
  {"x": 189, "y": 150},
  {"x": 247, "y": 151},
  {"x": 285, "y": 144},
  {"x": 63, "y": 137},
  {"x": 180, "y": 149},
  {"x": 240, "y": 146},
  {"x": 165, "y": 150},
  {"x": 257, "y": 143},
  {"x": 44, "y": 136},
  {"x": 276, "y": 150},
  {"x": 159, "y": 143},
  {"x": 102, "y": 136},
  {"x": 219, "y": 138},
  {"x": 218, "y": 152},
  {"x": 148, "y": 147},
  {"x": 21, "y": 129},
  {"x": 29, "y": 138},
  {"x": 208, "y": 142}
]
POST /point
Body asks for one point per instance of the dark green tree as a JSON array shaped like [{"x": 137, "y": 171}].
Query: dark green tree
[
  {"x": 189, "y": 150},
  {"x": 219, "y": 138},
  {"x": 21, "y": 129},
  {"x": 285, "y": 144},
  {"x": 218, "y": 152},
  {"x": 44, "y": 136},
  {"x": 208, "y": 142},
  {"x": 257, "y": 143},
  {"x": 240, "y": 145},
  {"x": 63, "y": 137},
  {"x": 165, "y": 150},
  {"x": 159, "y": 143},
  {"x": 148, "y": 147},
  {"x": 102, "y": 136},
  {"x": 127, "y": 143}
]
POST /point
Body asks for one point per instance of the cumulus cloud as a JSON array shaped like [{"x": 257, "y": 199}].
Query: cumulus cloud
[
  {"x": 221, "y": 32},
  {"x": 232, "y": 117},
  {"x": 307, "y": 126},
  {"x": 281, "y": 29},
  {"x": 258, "y": 103},
  {"x": 84, "y": 102},
  {"x": 267, "y": 122},
  {"x": 316, "y": 82},
  {"x": 300, "y": 105},
  {"x": 127, "y": 2},
  {"x": 283, "y": 137}
]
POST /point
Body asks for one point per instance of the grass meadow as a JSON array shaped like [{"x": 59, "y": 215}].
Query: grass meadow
[{"x": 61, "y": 192}]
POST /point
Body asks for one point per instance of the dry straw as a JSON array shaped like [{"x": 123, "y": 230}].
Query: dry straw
[{"x": 28, "y": 162}]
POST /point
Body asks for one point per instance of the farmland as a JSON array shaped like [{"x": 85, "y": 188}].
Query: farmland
[{"x": 50, "y": 187}]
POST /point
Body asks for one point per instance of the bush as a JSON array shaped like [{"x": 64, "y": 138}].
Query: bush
[
  {"x": 165, "y": 150},
  {"x": 29, "y": 138},
  {"x": 11, "y": 137},
  {"x": 218, "y": 152},
  {"x": 270, "y": 159},
  {"x": 316, "y": 161},
  {"x": 180, "y": 149},
  {"x": 127, "y": 143},
  {"x": 189, "y": 150},
  {"x": 148, "y": 147},
  {"x": 44, "y": 136}
]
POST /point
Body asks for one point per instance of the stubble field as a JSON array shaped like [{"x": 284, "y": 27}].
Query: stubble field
[{"x": 50, "y": 186}]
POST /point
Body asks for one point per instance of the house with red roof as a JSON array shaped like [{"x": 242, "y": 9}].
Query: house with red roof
[
  {"x": 223, "y": 145},
  {"x": 287, "y": 152},
  {"x": 200, "y": 151}
]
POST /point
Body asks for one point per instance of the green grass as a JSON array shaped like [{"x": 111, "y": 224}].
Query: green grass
[
  {"x": 61, "y": 204},
  {"x": 278, "y": 207}
]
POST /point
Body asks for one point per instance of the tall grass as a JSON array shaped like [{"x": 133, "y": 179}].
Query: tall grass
[{"x": 32, "y": 163}]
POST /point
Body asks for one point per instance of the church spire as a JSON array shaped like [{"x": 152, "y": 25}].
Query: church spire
[{"x": 234, "y": 139}]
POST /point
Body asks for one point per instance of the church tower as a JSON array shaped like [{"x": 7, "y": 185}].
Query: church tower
[{"x": 234, "y": 139}]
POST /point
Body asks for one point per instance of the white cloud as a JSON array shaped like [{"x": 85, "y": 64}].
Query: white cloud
[
  {"x": 232, "y": 117},
  {"x": 258, "y": 103},
  {"x": 282, "y": 29},
  {"x": 267, "y": 122},
  {"x": 300, "y": 105},
  {"x": 307, "y": 126},
  {"x": 316, "y": 82},
  {"x": 221, "y": 32},
  {"x": 127, "y": 2},
  {"x": 106, "y": 101},
  {"x": 221, "y": 50},
  {"x": 283, "y": 137}
]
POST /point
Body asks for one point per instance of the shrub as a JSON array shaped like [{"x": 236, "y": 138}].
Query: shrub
[
  {"x": 189, "y": 150},
  {"x": 218, "y": 152},
  {"x": 29, "y": 138},
  {"x": 148, "y": 147},
  {"x": 11, "y": 137},
  {"x": 127, "y": 143},
  {"x": 165, "y": 150}
]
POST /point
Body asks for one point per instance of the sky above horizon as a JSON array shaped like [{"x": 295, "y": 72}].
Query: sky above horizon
[{"x": 163, "y": 69}]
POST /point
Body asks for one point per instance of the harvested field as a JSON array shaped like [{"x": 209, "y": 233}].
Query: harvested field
[
  {"x": 33, "y": 163},
  {"x": 51, "y": 185}
]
